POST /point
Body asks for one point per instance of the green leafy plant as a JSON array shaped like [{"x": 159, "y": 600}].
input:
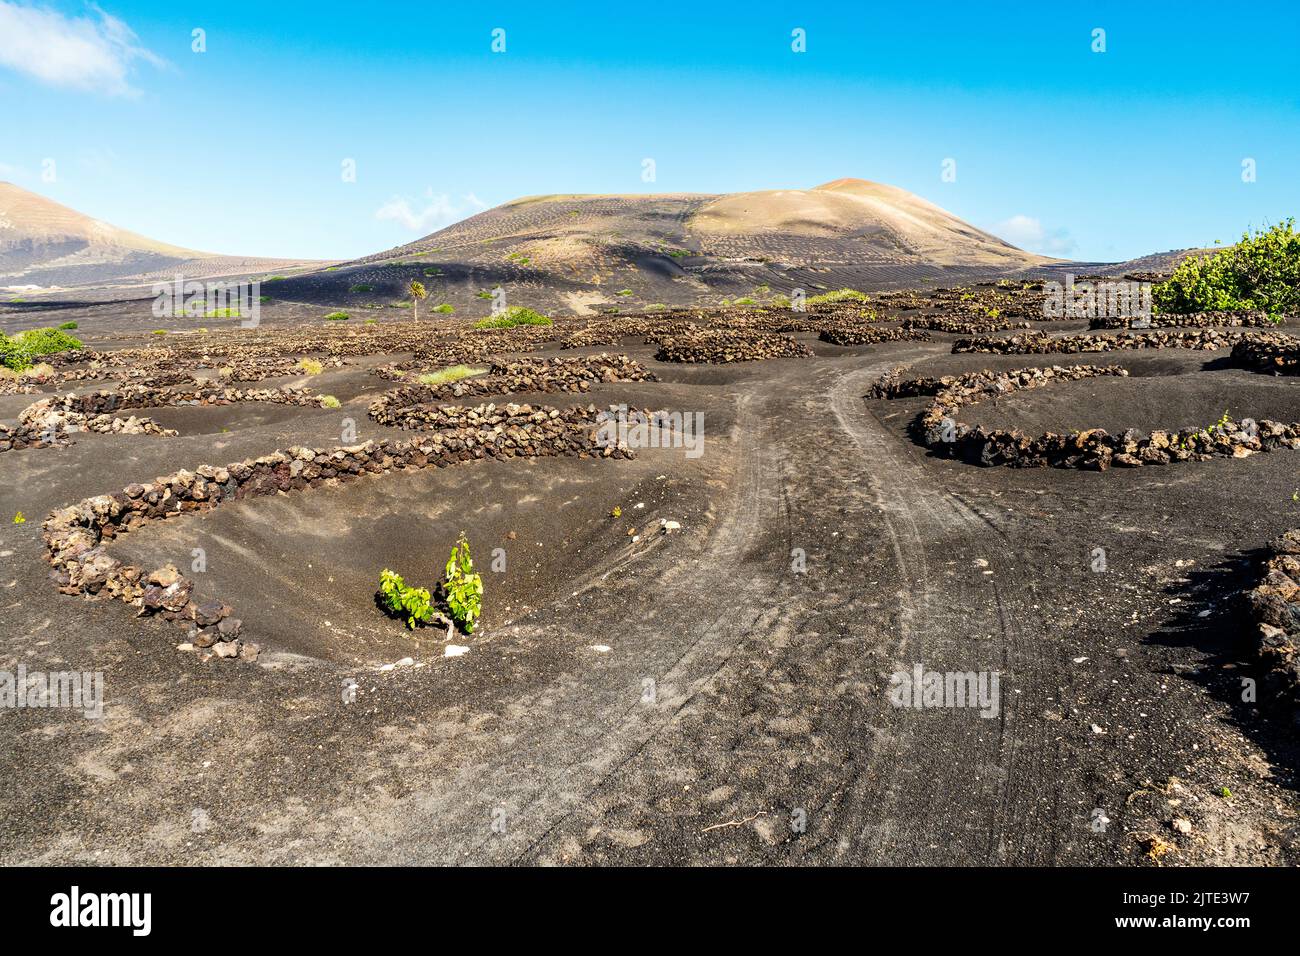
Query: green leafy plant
[
  {"x": 361, "y": 287},
  {"x": 512, "y": 316},
  {"x": 463, "y": 587},
  {"x": 839, "y": 295},
  {"x": 311, "y": 366},
  {"x": 329, "y": 401},
  {"x": 337, "y": 317},
  {"x": 18, "y": 352},
  {"x": 68, "y": 325},
  {"x": 452, "y": 374},
  {"x": 20, "y": 518},
  {"x": 446, "y": 308},
  {"x": 1261, "y": 272},
  {"x": 399, "y": 599}
]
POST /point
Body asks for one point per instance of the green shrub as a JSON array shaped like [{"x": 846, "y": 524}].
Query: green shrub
[
  {"x": 337, "y": 317},
  {"x": 1260, "y": 272},
  {"x": 446, "y": 308},
  {"x": 311, "y": 366},
  {"x": 781, "y": 301},
  {"x": 18, "y": 352},
  {"x": 463, "y": 587},
  {"x": 626, "y": 292},
  {"x": 403, "y": 601},
  {"x": 745, "y": 300},
  {"x": 452, "y": 374},
  {"x": 68, "y": 325},
  {"x": 839, "y": 295},
  {"x": 512, "y": 316},
  {"x": 483, "y": 294},
  {"x": 329, "y": 401}
]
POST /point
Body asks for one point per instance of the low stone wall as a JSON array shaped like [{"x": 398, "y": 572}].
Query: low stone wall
[
  {"x": 1197, "y": 320},
  {"x": 51, "y": 420},
  {"x": 75, "y": 536},
  {"x": 575, "y": 375},
  {"x": 1275, "y": 357},
  {"x": 963, "y": 326},
  {"x": 1095, "y": 449},
  {"x": 871, "y": 334},
  {"x": 1039, "y": 343},
  {"x": 719, "y": 347},
  {"x": 613, "y": 331},
  {"x": 1274, "y": 610}
]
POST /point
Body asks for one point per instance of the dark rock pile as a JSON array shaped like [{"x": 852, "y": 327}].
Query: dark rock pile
[
  {"x": 1195, "y": 320},
  {"x": 1275, "y": 357},
  {"x": 1039, "y": 343},
  {"x": 871, "y": 334},
  {"x": 718, "y": 347},
  {"x": 1274, "y": 608}
]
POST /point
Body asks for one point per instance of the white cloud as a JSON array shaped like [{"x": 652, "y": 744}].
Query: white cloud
[
  {"x": 83, "y": 53},
  {"x": 1028, "y": 233},
  {"x": 438, "y": 211}
]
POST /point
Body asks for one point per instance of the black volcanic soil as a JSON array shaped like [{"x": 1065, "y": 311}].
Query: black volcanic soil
[{"x": 689, "y": 698}]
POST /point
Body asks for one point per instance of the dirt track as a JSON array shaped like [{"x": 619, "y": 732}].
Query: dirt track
[{"x": 740, "y": 712}]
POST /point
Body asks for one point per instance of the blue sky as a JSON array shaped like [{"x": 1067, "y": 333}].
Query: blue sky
[{"x": 240, "y": 149}]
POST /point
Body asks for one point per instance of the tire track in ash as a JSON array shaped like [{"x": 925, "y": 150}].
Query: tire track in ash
[
  {"x": 592, "y": 722},
  {"x": 961, "y": 788}
]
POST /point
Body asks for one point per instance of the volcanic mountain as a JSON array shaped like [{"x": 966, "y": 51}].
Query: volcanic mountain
[
  {"x": 580, "y": 252},
  {"x": 45, "y": 244}
]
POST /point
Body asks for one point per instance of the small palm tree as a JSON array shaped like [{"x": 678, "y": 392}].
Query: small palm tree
[{"x": 418, "y": 292}]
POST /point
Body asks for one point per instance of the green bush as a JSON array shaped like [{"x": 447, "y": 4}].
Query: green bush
[
  {"x": 839, "y": 295},
  {"x": 18, "y": 352},
  {"x": 463, "y": 587},
  {"x": 337, "y": 317},
  {"x": 452, "y": 374},
  {"x": 512, "y": 316},
  {"x": 68, "y": 325},
  {"x": 446, "y": 308},
  {"x": 403, "y": 601},
  {"x": 1260, "y": 272}
]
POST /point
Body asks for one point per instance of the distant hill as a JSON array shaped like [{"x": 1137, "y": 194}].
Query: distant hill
[{"x": 44, "y": 244}]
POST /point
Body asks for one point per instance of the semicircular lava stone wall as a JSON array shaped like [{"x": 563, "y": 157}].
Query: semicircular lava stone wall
[
  {"x": 720, "y": 347},
  {"x": 871, "y": 334},
  {"x": 51, "y": 420},
  {"x": 1273, "y": 607},
  {"x": 1188, "y": 320},
  {"x": 1278, "y": 358},
  {"x": 1037, "y": 342},
  {"x": 1093, "y": 449},
  {"x": 75, "y": 536}
]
